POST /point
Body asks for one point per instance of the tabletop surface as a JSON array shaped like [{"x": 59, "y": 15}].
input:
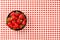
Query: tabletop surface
[{"x": 43, "y": 19}]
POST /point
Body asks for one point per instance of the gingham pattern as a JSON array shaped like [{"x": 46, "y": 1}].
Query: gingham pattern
[{"x": 43, "y": 19}]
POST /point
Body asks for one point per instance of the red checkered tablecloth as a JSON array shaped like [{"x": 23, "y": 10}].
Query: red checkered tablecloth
[{"x": 43, "y": 19}]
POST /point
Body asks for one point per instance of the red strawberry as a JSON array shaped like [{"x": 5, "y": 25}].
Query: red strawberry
[
  {"x": 19, "y": 21},
  {"x": 12, "y": 14},
  {"x": 13, "y": 17},
  {"x": 15, "y": 26},
  {"x": 20, "y": 26},
  {"x": 24, "y": 22},
  {"x": 10, "y": 24},
  {"x": 25, "y": 19},
  {"x": 13, "y": 22},
  {"x": 21, "y": 16},
  {"x": 17, "y": 14},
  {"x": 9, "y": 19}
]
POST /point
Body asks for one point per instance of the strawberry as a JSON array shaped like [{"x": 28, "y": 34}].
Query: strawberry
[
  {"x": 19, "y": 21},
  {"x": 15, "y": 26},
  {"x": 24, "y": 22},
  {"x": 9, "y": 19},
  {"x": 10, "y": 24},
  {"x": 17, "y": 13},
  {"x": 20, "y": 26},
  {"x": 13, "y": 17},
  {"x": 21, "y": 16},
  {"x": 13, "y": 22},
  {"x": 12, "y": 14}
]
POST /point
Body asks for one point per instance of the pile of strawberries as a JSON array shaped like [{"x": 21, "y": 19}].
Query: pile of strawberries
[{"x": 16, "y": 20}]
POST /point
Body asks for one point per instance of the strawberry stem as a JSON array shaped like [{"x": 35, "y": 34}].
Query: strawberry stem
[{"x": 17, "y": 11}]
